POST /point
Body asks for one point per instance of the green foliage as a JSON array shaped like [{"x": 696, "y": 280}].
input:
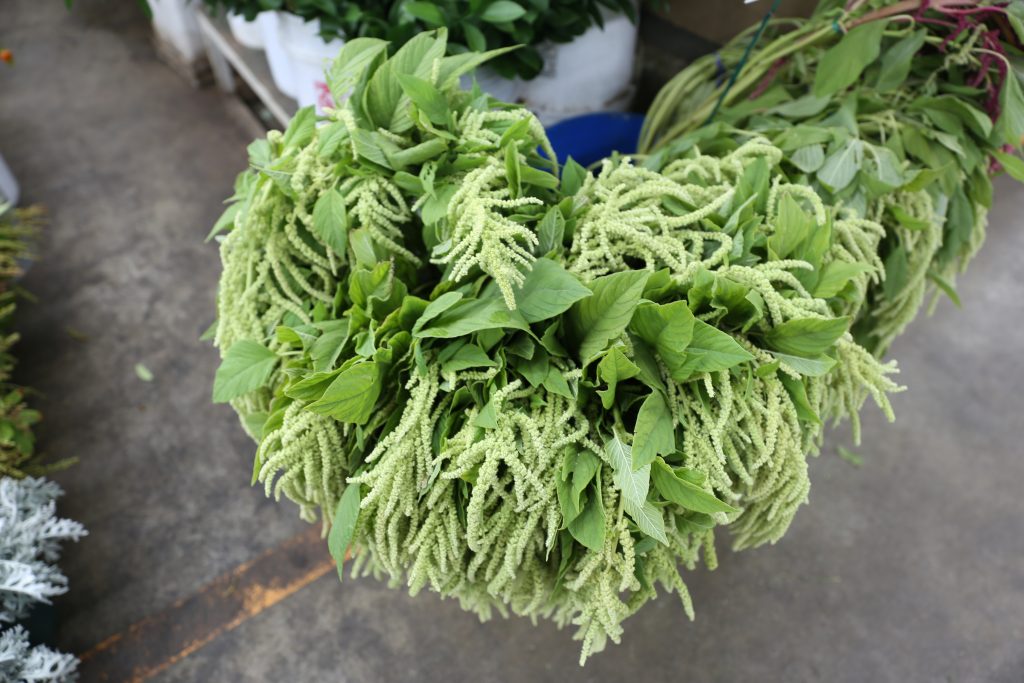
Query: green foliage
[
  {"x": 536, "y": 395},
  {"x": 904, "y": 124},
  {"x": 473, "y": 25},
  {"x": 18, "y": 457}
]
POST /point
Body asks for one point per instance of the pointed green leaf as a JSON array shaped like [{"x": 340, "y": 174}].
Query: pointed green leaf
[
  {"x": 614, "y": 368},
  {"x": 589, "y": 527},
  {"x": 649, "y": 519},
  {"x": 633, "y": 484},
  {"x": 676, "y": 489},
  {"x": 330, "y": 221},
  {"x": 548, "y": 290},
  {"x": 842, "y": 64},
  {"x": 343, "y": 526},
  {"x": 352, "y": 395},
  {"x": 603, "y": 317},
  {"x": 247, "y": 366},
  {"x": 502, "y": 11},
  {"x": 653, "y": 434},
  {"x": 807, "y": 337},
  {"x": 711, "y": 350}
]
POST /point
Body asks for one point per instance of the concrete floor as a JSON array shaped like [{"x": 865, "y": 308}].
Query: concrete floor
[{"x": 910, "y": 568}]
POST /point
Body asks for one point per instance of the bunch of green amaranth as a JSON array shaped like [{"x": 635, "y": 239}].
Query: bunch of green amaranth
[
  {"x": 536, "y": 392},
  {"x": 899, "y": 111}
]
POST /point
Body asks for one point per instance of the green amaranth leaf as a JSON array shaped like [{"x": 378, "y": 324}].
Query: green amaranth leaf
[
  {"x": 798, "y": 394},
  {"x": 807, "y": 337},
  {"x": 548, "y": 290},
  {"x": 352, "y": 395},
  {"x": 676, "y": 488},
  {"x": 1013, "y": 165},
  {"x": 793, "y": 226},
  {"x": 653, "y": 434},
  {"x": 898, "y": 59},
  {"x": 343, "y": 526},
  {"x": 836, "y": 275},
  {"x": 648, "y": 519},
  {"x": 330, "y": 221},
  {"x": 897, "y": 270},
  {"x": 603, "y": 317},
  {"x": 436, "y": 308},
  {"x": 632, "y": 484},
  {"x": 842, "y": 64},
  {"x": 711, "y": 350},
  {"x": 669, "y": 329},
  {"x": 840, "y": 168},
  {"x": 808, "y": 158},
  {"x": 550, "y": 231},
  {"x": 614, "y": 368},
  {"x": 468, "y": 356},
  {"x": 573, "y": 176},
  {"x": 589, "y": 527},
  {"x": 809, "y": 367},
  {"x": 425, "y": 96},
  {"x": 247, "y": 366},
  {"x": 1011, "y": 104},
  {"x": 585, "y": 467},
  {"x": 472, "y": 315}
]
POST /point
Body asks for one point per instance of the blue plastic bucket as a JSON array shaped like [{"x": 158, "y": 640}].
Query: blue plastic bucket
[{"x": 592, "y": 137}]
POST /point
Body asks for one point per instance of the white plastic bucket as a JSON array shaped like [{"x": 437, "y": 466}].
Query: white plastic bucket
[
  {"x": 246, "y": 32},
  {"x": 499, "y": 87},
  {"x": 175, "y": 22},
  {"x": 9, "y": 190},
  {"x": 310, "y": 57},
  {"x": 277, "y": 58},
  {"x": 592, "y": 73}
]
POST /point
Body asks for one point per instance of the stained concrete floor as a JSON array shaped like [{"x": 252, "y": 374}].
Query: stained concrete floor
[{"x": 910, "y": 568}]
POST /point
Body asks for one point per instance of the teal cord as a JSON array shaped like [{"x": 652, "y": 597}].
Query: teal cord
[{"x": 743, "y": 60}]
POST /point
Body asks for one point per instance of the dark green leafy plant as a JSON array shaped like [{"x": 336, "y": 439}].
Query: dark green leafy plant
[
  {"x": 902, "y": 116},
  {"x": 477, "y": 25},
  {"x": 18, "y": 457},
  {"x": 535, "y": 392}
]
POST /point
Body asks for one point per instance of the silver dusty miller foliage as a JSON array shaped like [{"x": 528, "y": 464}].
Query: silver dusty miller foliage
[{"x": 30, "y": 538}]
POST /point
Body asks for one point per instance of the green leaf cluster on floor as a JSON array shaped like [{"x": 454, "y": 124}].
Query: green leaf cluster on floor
[
  {"x": 18, "y": 457},
  {"x": 535, "y": 391},
  {"x": 895, "y": 113}
]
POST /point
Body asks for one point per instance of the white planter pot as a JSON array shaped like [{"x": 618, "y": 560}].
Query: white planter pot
[
  {"x": 175, "y": 22},
  {"x": 277, "y": 58},
  {"x": 247, "y": 33},
  {"x": 310, "y": 58},
  {"x": 9, "y": 190},
  {"x": 592, "y": 73},
  {"x": 499, "y": 87}
]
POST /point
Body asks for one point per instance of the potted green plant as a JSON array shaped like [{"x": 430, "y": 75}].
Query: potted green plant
[
  {"x": 30, "y": 531},
  {"x": 572, "y": 57},
  {"x": 255, "y": 24}
]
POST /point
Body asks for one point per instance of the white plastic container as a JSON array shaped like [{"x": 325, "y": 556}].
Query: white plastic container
[
  {"x": 9, "y": 190},
  {"x": 278, "y": 60},
  {"x": 592, "y": 73},
  {"x": 504, "y": 89},
  {"x": 247, "y": 33},
  {"x": 175, "y": 22},
  {"x": 310, "y": 57}
]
